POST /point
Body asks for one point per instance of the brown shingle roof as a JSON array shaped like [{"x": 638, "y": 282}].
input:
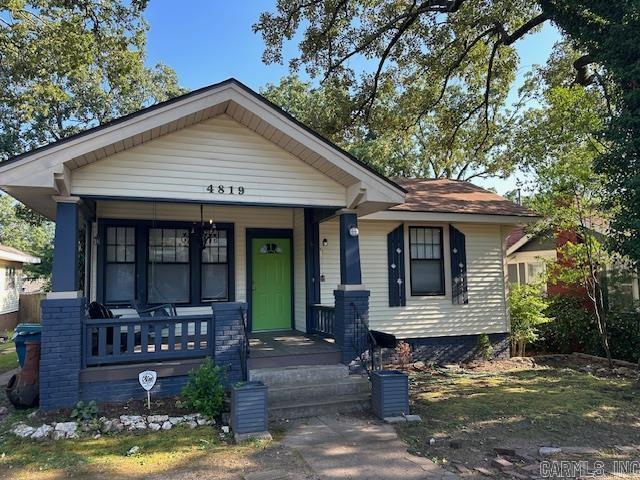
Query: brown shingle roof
[{"x": 454, "y": 196}]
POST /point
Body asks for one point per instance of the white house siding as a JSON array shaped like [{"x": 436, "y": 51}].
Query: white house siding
[
  {"x": 9, "y": 297},
  {"x": 425, "y": 316},
  {"x": 329, "y": 260},
  {"x": 218, "y": 151},
  {"x": 242, "y": 217}
]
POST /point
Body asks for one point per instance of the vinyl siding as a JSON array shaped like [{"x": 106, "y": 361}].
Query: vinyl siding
[
  {"x": 425, "y": 316},
  {"x": 329, "y": 260},
  {"x": 218, "y": 151},
  {"x": 241, "y": 217},
  {"x": 9, "y": 297}
]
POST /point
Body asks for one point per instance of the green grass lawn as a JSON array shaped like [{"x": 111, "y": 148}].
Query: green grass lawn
[
  {"x": 524, "y": 409},
  {"x": 8, "y": 358}
]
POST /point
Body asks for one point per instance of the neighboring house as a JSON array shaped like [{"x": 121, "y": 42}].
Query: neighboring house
[
  {"x": 218, "y": 201},
  {"x": 528, "y": 254},
  {"x": 12, "y": 283}
]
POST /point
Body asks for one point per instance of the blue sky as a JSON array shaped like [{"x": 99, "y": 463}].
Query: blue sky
[{"x": 209, "y": 41}]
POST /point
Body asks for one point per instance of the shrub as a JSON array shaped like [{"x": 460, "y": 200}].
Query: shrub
[
  {"x": 484, "y": 347},
  {"x": 527, "y": 312},
  {"x": 85, "y": 412},
  {"x": 204, "y": 392}
]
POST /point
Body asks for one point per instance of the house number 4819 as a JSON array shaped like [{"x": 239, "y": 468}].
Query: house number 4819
[{"x": 226, "y": 189}]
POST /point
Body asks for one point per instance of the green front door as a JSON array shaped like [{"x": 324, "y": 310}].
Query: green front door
[{"x": 270, "y": 284}]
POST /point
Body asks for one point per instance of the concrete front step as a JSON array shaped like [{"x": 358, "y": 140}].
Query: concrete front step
[
  {"x": 299, "y": 374},
  {"x": 318, "y": 407},
  {"x": 284, "y": 394}
]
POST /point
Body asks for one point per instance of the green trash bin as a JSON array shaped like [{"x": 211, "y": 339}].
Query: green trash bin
[{"x": 25, "y": 332}]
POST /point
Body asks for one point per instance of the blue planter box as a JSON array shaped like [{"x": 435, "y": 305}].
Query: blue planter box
[
  {"x": 390, "y": 393},
  {"x": 249, "y": 408}
]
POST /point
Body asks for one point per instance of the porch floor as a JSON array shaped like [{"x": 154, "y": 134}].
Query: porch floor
[{"x": 288, "y": 348}]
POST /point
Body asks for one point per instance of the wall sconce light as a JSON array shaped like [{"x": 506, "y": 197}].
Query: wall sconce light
[
  {"x": 325, "y": 242},
  {"x": 353, "y": 231}
]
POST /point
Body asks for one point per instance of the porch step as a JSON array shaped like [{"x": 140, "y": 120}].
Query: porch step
[
  {"x": 289, "y": 360},
  {"x": 285, "y": 394},
  {"x": 297, "y": 374},
  {"x": 327, "y": 406},
  {"x": 304, "y": 391}
]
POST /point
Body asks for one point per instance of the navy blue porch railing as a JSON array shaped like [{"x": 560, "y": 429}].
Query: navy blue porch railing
[
  {"x": 323, "y": 320},
  {"x": 143, "y": 339}
]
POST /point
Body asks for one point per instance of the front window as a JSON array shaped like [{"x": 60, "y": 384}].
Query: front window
[
  {"x": 10, "y": 278},
  {"x": 215, "y": 268},
  {"x": 427, "y": 262},
  {"x": 120, "y": 268},
  {"x": 169, "y": 268}
]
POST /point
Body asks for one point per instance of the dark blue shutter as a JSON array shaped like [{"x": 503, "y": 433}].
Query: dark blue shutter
[
  {"x": 395, "y": 258},
  {"x": 457, "y": 242}
]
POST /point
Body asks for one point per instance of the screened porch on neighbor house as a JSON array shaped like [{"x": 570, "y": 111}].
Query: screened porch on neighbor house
[{"x": 159, "y": 275}]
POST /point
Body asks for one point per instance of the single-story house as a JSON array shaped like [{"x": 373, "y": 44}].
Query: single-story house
[
  {"x": 529, "y": 253},
  {"x": 260, "y": 238},
  {"x": 12, "y": 281}
]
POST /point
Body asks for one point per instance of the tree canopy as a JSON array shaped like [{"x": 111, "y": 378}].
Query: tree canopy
[
  {"x": 68, "y": 66},
  {"x": 454, "y": 60}
]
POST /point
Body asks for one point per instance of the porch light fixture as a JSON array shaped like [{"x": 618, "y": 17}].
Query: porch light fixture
[
  {"x": 325, "y": 242},
  {"x": 208, "y": 230},
  {"x": 353, "y": 231}
]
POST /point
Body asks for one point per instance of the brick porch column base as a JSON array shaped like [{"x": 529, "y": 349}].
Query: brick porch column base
[{"x": 348, "y": 305}]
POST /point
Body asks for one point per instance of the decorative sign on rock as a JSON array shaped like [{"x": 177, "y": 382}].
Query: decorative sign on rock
[{"x": 147, "y": 380}]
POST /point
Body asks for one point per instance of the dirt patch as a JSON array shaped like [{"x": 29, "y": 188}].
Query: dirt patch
[{"x": 519, "y": 405}]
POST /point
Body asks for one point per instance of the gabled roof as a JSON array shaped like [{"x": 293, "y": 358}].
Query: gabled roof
[
  {"x": 455, "y": 196},
  {"x": 11, "y": 254},
  {"x": 33, "y": 177}
]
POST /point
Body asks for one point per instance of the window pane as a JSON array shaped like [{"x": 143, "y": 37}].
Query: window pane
[
  {"x": 222, "y": 255},
  {"x": 426, "y": 277},
  {"x": 155, "y": 236},
  {"x": 131, "y": 236},
  {"x": 120, "y": 253},
  {"x": 182, "y": 254},
  {"x": 111, "y": 254},
  {"x": 513, "y": 273},
  {"x": 521, "y": 270},
  {"x": 214, "y": 282},
  {"x": 436, "y": 236},
  {"x": 168, "y": 237},
  {"x": 119, "y": 282},
  {"x": 111, "y": 236},
  {"x": 131, "y": 254},
  {"x": 168, "y": 283},
  {"x": 120, "y": 235}
]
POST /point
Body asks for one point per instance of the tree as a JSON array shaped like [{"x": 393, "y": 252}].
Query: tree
[
  {"x": 28, "y": 231},
  {"x": 67, "y": 66},
  {"x": 422, "y": 48},
  {"x": 558, "y": 141}
]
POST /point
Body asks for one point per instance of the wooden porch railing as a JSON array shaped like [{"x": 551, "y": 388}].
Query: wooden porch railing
[
  {"x": 323, "y": 320},
  {"x": 127, "y": 340}
]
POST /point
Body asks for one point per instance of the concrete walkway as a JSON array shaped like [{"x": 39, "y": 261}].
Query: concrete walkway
[{"x": 344, "y": 447}]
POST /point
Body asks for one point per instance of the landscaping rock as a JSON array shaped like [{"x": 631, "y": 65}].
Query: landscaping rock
[
  {"x": 167, "y": 425},
  {"x": 43, "y": 432},
  {"x": 58, "y": 435},
  {"x": 33, "y": 414},
  {"x": 128, "y": 420},
  {"x": 225, "y": 429},
  {"x": 142, "y": 425},
  {"x": 191, "y": 424},
  {"x": 155, "y": 426},
  {"x": 22, "y": 430},
  {"x": 420, "y": 365},
  {"x": 462, "y": 469},
  {"x": 546, "y": 451},
  {"x": 176, "y": 420},
  {"x": 157, "y": 418},
  {"x": 455, "y": 444},
  {"x": 68, "y": 428},
  {"x": 202, "y": 421},
  {"x": 133, "y": 450},
  {"x": 4, "y": 411}
]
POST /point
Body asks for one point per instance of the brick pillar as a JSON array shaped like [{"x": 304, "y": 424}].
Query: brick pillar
[
  {"x": 349, "y": 304},
  {"x": 61, "y": 352},
  {"x": 229, "y": 334}
]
